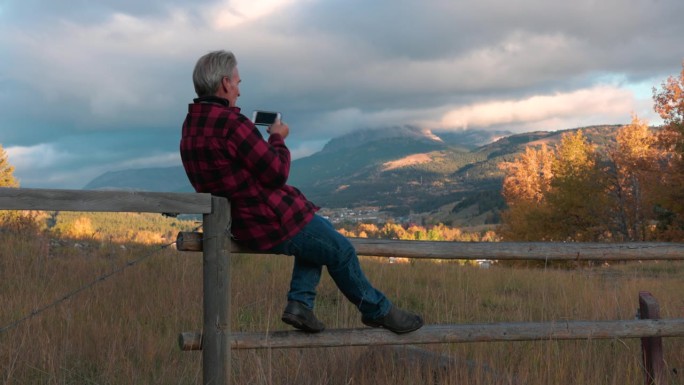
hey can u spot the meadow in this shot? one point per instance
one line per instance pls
(124, 330)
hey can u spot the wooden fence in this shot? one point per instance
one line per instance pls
(216, 340)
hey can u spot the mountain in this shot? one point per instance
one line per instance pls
(449, 177)
(161, 179)
(453, 178)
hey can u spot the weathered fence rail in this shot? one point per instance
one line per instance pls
(455, 333)
(502, 251)
(216, 340)
(104, 201)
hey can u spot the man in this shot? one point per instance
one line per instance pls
(224, 154)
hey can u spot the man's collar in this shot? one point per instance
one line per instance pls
(213, 100)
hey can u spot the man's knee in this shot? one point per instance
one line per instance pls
(345, 255)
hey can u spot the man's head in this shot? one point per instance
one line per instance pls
(216, 74)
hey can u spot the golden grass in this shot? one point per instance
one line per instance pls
(124, 330)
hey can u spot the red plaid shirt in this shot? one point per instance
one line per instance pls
(224, 154)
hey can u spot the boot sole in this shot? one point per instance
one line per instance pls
(374, 324)
(299, 323)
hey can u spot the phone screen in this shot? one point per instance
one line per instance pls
(263, 118)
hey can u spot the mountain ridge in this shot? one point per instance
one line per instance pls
(409, 172)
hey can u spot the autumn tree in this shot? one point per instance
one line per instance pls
(577, 199)
(17, 219)
(669, 103)
(529, 177)
(6, 171)
(367, 230)
(555, 195)
(392, 231)
(634, 168)
(527, 181)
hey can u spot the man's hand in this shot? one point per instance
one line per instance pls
(279, 128)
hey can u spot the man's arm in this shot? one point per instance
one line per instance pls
(269, 162)
(279, 128)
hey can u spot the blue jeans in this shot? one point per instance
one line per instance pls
(318, 244)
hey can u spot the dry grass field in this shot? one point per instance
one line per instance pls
(124, 330)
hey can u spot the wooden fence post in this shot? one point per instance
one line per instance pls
(651, 347)
(216, 276)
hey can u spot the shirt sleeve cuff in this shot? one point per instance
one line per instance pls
(276, 139)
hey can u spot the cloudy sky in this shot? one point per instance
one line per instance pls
(92, 86)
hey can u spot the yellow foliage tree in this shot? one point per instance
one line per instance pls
(579, 206)
(669, 103)
(527, 181)
(555, 195)
(634, 171)
(393, 231)
(369, 229)
(7, 179)
(6, 171)
(529, 177)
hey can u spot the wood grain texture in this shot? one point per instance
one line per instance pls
(651, 347)
(539, 251)
(437, 334)
(216, 361)
(104, 201)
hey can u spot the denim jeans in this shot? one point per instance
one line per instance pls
(318, 244)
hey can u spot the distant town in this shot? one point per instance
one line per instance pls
(355, 215)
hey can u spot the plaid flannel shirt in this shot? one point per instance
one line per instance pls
(224, 154)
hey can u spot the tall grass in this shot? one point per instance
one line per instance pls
(124, 330)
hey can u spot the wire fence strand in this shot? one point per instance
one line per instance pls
(69, 295)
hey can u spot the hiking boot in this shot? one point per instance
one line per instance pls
(396, 320)
(302, 318)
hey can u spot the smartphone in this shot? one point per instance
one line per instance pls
(265, 118)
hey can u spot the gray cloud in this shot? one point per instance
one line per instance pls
(100, 86)
(33, 12)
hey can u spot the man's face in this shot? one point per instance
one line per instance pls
(233, 87)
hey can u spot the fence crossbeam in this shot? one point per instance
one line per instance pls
(451, 333)
(104, 201)
(502, 251)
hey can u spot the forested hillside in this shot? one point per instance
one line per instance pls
(438, 177)
(435, 180)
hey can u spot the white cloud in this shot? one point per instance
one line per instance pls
(38, 165)
(37, 156)
(304, 149)
(342, 121)
(604, 102)
(48, 166)
(228, 14)
(521, 59)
